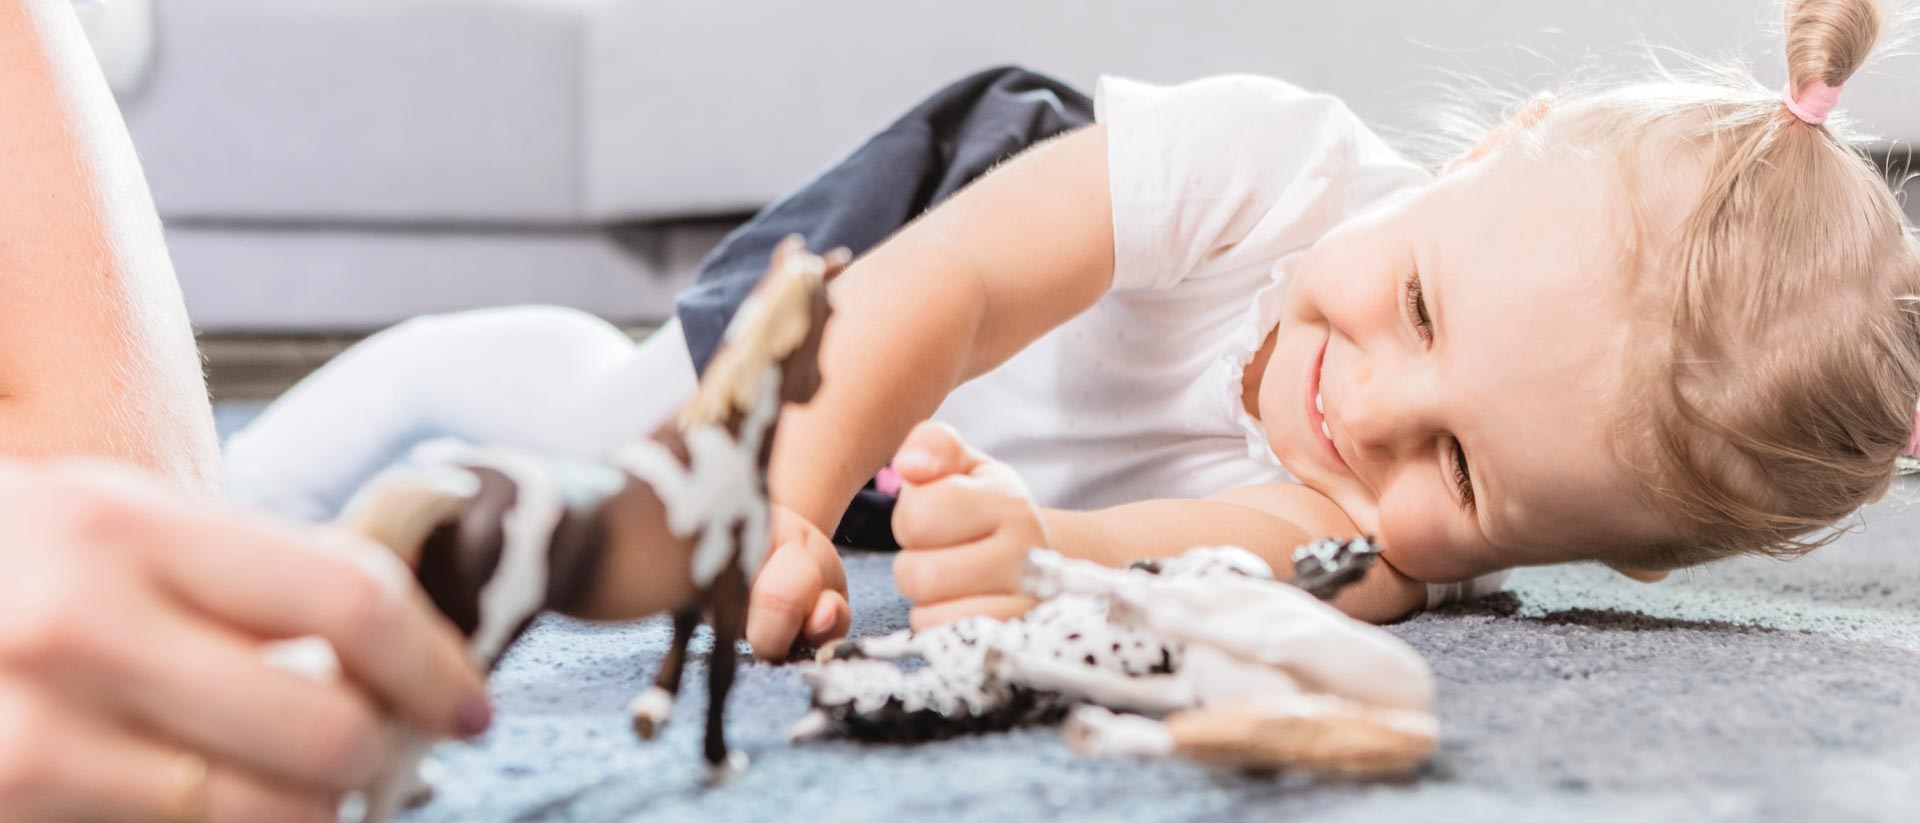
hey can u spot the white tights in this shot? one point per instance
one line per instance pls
(551, 379)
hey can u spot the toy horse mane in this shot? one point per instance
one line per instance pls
(772, 322)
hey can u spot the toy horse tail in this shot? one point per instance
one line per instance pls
(401, 507)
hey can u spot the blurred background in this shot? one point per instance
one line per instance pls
(328, 167)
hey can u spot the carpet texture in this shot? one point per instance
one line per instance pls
(1752, 690)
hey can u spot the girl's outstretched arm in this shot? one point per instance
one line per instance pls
(954, 294)
(96, 355)
(1270, 520)
(949, 297)
(965, 524)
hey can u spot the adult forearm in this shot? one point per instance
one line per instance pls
(96, 355)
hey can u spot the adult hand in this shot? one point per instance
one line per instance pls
(132, 682)
(965, 523)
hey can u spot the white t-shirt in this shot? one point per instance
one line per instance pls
(1218, 187)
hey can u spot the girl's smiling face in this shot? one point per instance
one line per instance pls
(1444, 370)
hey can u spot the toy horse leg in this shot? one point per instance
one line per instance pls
(1152, 693)
(1046, 575)
(652, 708)
(729, 620)
(882, 647)
(1097, 732)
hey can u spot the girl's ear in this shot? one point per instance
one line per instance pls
(1529, 116)
(1642, 575)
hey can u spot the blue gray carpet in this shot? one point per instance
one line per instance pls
(1749, 691)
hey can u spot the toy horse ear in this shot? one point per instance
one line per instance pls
(400, 508)
(837, 262)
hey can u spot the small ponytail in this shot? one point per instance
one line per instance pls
(1827, 41)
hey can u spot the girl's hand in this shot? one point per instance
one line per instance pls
(965, 523)
(801, 591)
(132, 624)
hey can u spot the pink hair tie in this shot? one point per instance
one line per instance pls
(1813, 102)
(887, 482)
(1913, 440)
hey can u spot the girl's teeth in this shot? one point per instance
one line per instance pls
(1317, 405)
(1328, 433)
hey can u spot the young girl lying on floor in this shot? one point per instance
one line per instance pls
(1652, 326)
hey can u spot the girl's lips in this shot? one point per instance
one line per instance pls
(1316, 420)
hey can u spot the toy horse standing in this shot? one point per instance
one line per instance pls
(676, 523)
(718, 448)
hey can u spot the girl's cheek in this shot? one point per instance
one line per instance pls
(1415, 536)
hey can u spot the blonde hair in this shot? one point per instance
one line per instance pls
(1782, 366)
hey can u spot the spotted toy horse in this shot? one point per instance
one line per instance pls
(676, 523)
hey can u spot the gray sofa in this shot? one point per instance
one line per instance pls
(342, 164)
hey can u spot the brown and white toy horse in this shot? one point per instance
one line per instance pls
(675, 523)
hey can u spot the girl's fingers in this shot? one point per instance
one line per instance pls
(800, 533)
(830, 619)
(935, 575)
(215, 692)
(952, 511)
(783, 598)
(996, 606)
(278, 583)
(931, 451)
(76, 767)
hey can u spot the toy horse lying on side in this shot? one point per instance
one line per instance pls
(1245, 670)
(677, 523)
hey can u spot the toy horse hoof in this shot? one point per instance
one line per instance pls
(1040, 575)
(1096, 732)
(728, 769)
(811, 726)
(650, 711)
(828, 651)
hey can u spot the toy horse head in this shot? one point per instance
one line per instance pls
(780, 324)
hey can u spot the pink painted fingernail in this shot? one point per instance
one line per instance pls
(914, 459)
(474, 716)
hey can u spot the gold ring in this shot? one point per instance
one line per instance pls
(188, 803)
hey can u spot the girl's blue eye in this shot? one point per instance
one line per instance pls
(1417, 308)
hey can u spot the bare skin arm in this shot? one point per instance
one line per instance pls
(950, 297)
(965, 522)
(1270, 520)
(96, 355)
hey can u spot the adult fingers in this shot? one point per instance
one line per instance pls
(60, 764)
(783, 598)
(276, 582)
(996, 606)
(951, 511)
(935, 575)
(931, 451)
(216, 692)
